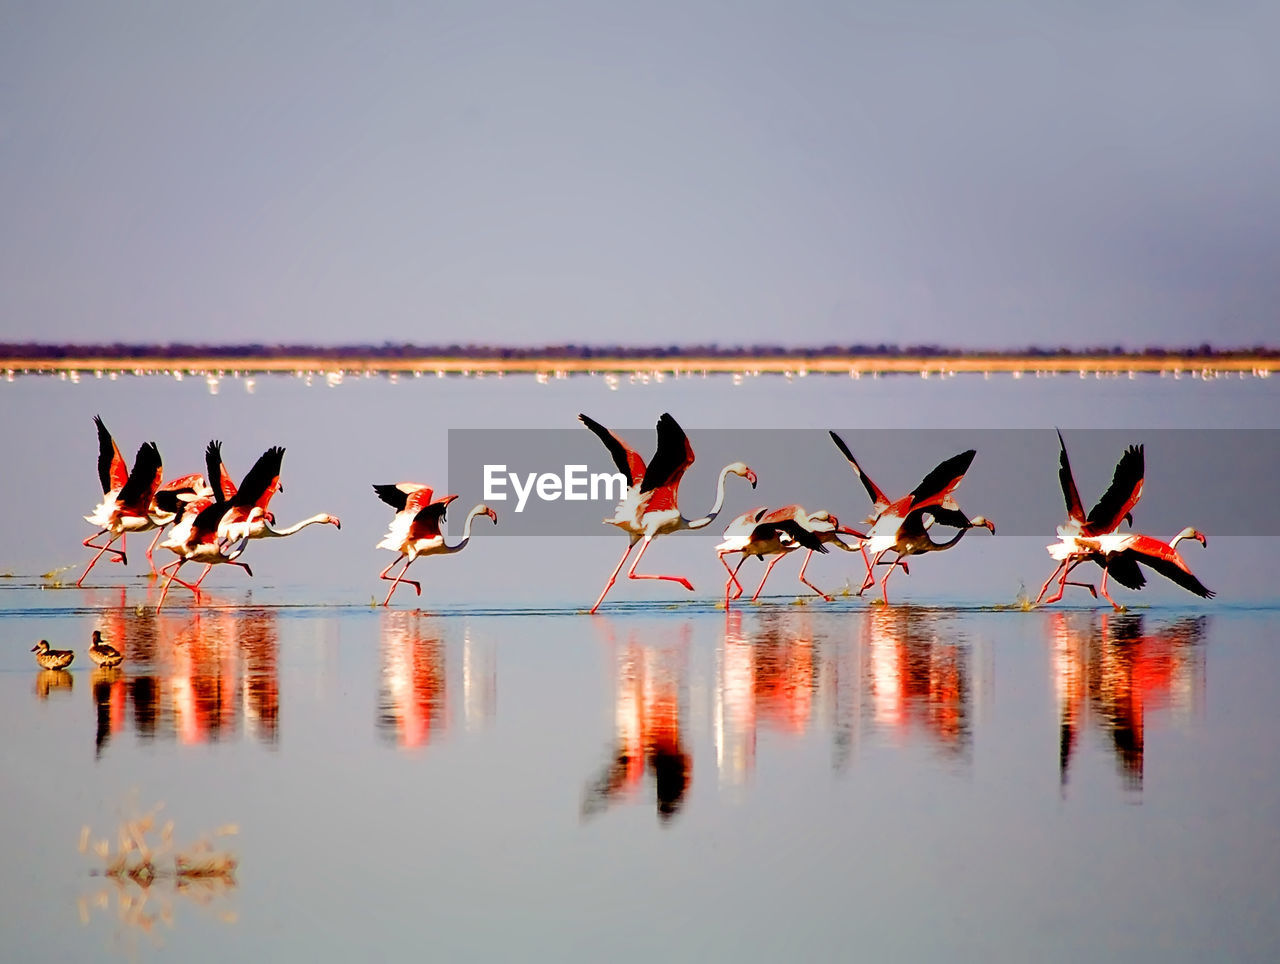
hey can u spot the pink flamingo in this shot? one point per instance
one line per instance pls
(902, 526)
(415, 528)
(650, 507)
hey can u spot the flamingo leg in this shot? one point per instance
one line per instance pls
(772, 562)
(804, 565)
(884, 583)
(1103, 588)
(617, 569)
(151, 548)
(175, 566)
(733, 576)
(399, 577)
(871, 578)
(89, 543)
(632, 574)
(1045, 588)
(736, 595)
(1065, 568)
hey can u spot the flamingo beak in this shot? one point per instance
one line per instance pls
(1203, 539)
(992, 526)
(751, 477)
(337, 523)
(1128, 517)
(492, 515)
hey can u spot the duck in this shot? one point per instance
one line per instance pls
(52, 658)
(104, 654)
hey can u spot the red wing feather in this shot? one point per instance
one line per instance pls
(426, 523)
(1075, 509)
(1165, 560)
(259, 484)
(144, 480)
(673, 457)
(1122, 494)
(938, 485)
(879, 500)
(627, 459)
(113, 472)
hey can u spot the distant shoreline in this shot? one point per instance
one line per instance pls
(674, 364)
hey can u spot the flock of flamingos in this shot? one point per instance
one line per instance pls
(211, 520)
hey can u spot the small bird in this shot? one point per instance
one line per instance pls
(104, 654)
(52, 658)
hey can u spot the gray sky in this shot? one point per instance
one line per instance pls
(971, 173)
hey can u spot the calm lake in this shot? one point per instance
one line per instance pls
(484, 771)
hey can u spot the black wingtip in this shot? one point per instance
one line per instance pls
(844, 449)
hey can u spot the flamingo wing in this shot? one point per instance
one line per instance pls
(1075, 510)
(260, 482)
(786, 512)
(404, 496)
(673, 456)
(1165, 560)
(628, 460)
(879, 500)
(113, 473)
(952, 518)
(219, 478)
(172, 500)
(767, 532)
(1122, 494)
(938, 485)
(1124, 569)
(144, 480)
(426, 522)
(209, 516)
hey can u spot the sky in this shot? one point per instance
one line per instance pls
(969, 174)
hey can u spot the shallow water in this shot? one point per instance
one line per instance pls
(501, 776)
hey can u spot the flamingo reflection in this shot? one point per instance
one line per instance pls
(918, 678)
(767, 678)
(1109, 670)
(198, 677)
(650, 686)
(412, 696)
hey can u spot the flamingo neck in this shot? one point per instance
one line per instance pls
(466, 532)
(272, 533)
(710, 517)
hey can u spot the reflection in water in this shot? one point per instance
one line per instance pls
(650, 685)
(479, 683)
(109, 697)
(412, 694)
(918, 677)
(900, 670)
(1109, 670)
(190, 676)
(52, 680)
(147, 872)
(768, 678)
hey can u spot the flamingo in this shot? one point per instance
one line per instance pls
(1077, 536)
(126, 504)
(650, 507)
(824, 526)
(216, 530)
(235, 524)
(166, 502)
(762, 533)
(415, 529)
(1119, 554)
(902, 525)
